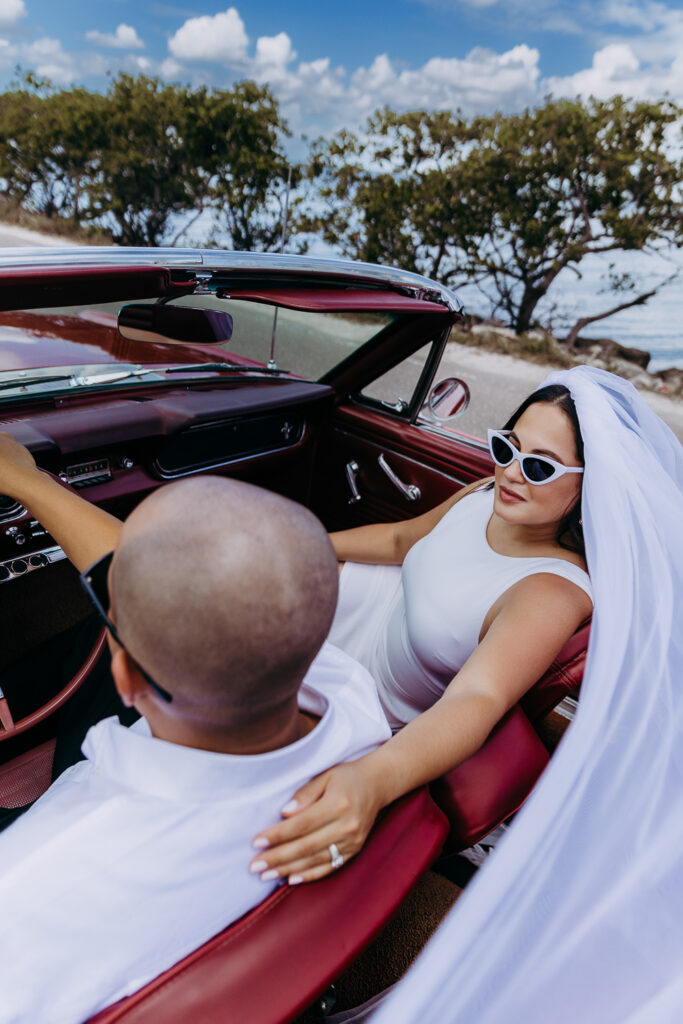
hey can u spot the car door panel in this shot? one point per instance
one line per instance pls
(420, 456)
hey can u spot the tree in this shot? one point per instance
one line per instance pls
(386, 196)
(21, 151)
(511, 201)
(553, 185)
(250, 169)
(173, 152)
(72, 139)
(149, 169)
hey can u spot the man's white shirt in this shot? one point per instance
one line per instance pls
(136, 856)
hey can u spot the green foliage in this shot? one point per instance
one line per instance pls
(509, 201)
(250, 168)
(146, 159)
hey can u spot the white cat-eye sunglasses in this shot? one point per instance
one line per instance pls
(536, 469)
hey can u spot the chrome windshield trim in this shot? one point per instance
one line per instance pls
(220, 259)
(97, 255)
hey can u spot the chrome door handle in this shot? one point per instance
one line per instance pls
(352, 471)
(410, 491)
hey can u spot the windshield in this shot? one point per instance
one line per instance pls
(77, 339)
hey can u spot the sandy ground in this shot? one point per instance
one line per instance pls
(498, 383)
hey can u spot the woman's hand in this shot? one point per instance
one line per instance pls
(339, 806)
(15, 461)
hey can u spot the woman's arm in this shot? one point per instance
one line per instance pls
(84, 531)
(340, 805)
(389, 543)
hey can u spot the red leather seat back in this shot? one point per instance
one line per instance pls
(270, 965)
(489, 786)
(492, 784)
(562, 678)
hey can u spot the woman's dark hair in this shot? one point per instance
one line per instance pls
(569, 531)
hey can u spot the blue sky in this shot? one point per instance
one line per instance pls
(331, 65)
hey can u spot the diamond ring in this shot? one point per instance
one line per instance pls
(335, 856)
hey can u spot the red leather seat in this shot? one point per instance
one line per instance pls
(491, 785)
(267, 967)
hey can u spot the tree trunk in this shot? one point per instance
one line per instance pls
(530, 299)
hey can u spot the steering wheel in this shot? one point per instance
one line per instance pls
(10, 728)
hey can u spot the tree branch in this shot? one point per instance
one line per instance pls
(639, 300)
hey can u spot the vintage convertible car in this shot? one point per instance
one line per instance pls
(123, 369)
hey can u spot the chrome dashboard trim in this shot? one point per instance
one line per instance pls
(52, 554)
(16, 513)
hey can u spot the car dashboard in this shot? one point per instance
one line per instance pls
(117, 450)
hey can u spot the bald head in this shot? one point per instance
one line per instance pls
(224, 593)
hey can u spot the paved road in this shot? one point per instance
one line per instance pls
(499, 383)
(11, 236)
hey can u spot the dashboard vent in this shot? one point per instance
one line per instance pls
(9, 508)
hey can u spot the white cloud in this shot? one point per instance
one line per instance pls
(642, 59)
(221, 37)
(629, 14)
(612, 71)
(47, 58)
(638, 48)
(274, 51)
(171, 70)
(11, 11)
(482, 81)
(125, 38)
(617, 70)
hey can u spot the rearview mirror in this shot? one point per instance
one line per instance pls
(448, 398)
(141, 321)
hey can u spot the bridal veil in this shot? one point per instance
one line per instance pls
(578, 916)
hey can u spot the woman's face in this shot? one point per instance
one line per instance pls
(543, 429)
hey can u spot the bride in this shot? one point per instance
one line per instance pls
(456, 614)
(579, 914)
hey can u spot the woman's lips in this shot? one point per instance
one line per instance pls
(509, 497)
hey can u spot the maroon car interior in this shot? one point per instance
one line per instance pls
(296, 437)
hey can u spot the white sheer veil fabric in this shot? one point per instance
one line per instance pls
(578, 916)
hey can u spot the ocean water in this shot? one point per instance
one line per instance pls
(656, 326)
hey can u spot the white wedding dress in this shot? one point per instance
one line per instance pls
(414, 626)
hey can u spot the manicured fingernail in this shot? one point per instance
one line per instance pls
(258, 866)
(270, 876)
(295, 879)
(260, 843)
(291, 806)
